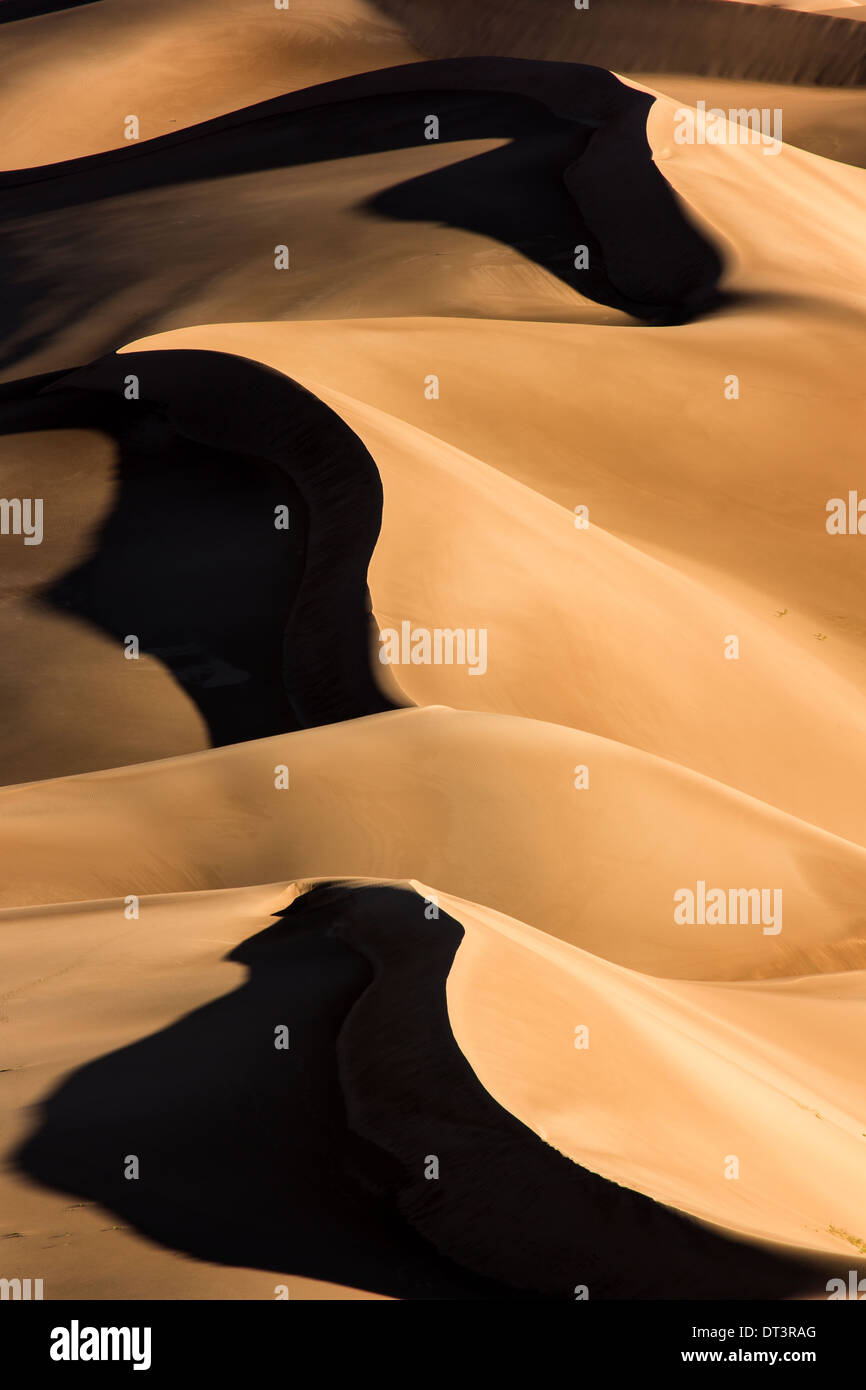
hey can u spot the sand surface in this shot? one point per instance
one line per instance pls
(255, 824)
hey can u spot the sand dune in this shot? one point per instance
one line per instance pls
(408, 1088)
(666, 571)
(436, 874)
(84, 1249)
(267, 630)
(747, 1070)
(100, 63)
(528, 159)
(608, 610)
(826, 122)
(719, 38)
(103, 62)
(459, 800)
(764, 1108)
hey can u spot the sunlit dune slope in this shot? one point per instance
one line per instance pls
(771, 1073)
(486, 807)
(767, 1076)
(70, 80)
(607, 628)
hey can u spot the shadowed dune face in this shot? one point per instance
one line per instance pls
(719, 38)
(186, 228)
(245, 1151)
(233, 548)
(330, 1138)
(31, 9)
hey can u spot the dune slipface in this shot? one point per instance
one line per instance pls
(431, 821)
(301, 1195)
(230, 404)
(409, 1089)
(377, 1098)
(576, 172)
(269, 629)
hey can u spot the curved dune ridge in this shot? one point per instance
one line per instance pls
(505, 1146)
(486, 806)
(401, 975)
(109, 58)
(268, 630)
(713, 37)
(575, 171)
(228, 404)
(102, 60)
(557, 1215)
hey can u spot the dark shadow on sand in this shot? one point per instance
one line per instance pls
(266, 629)
(11, 10)
(313, 1160)
(577, 171)
(245, 1155)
